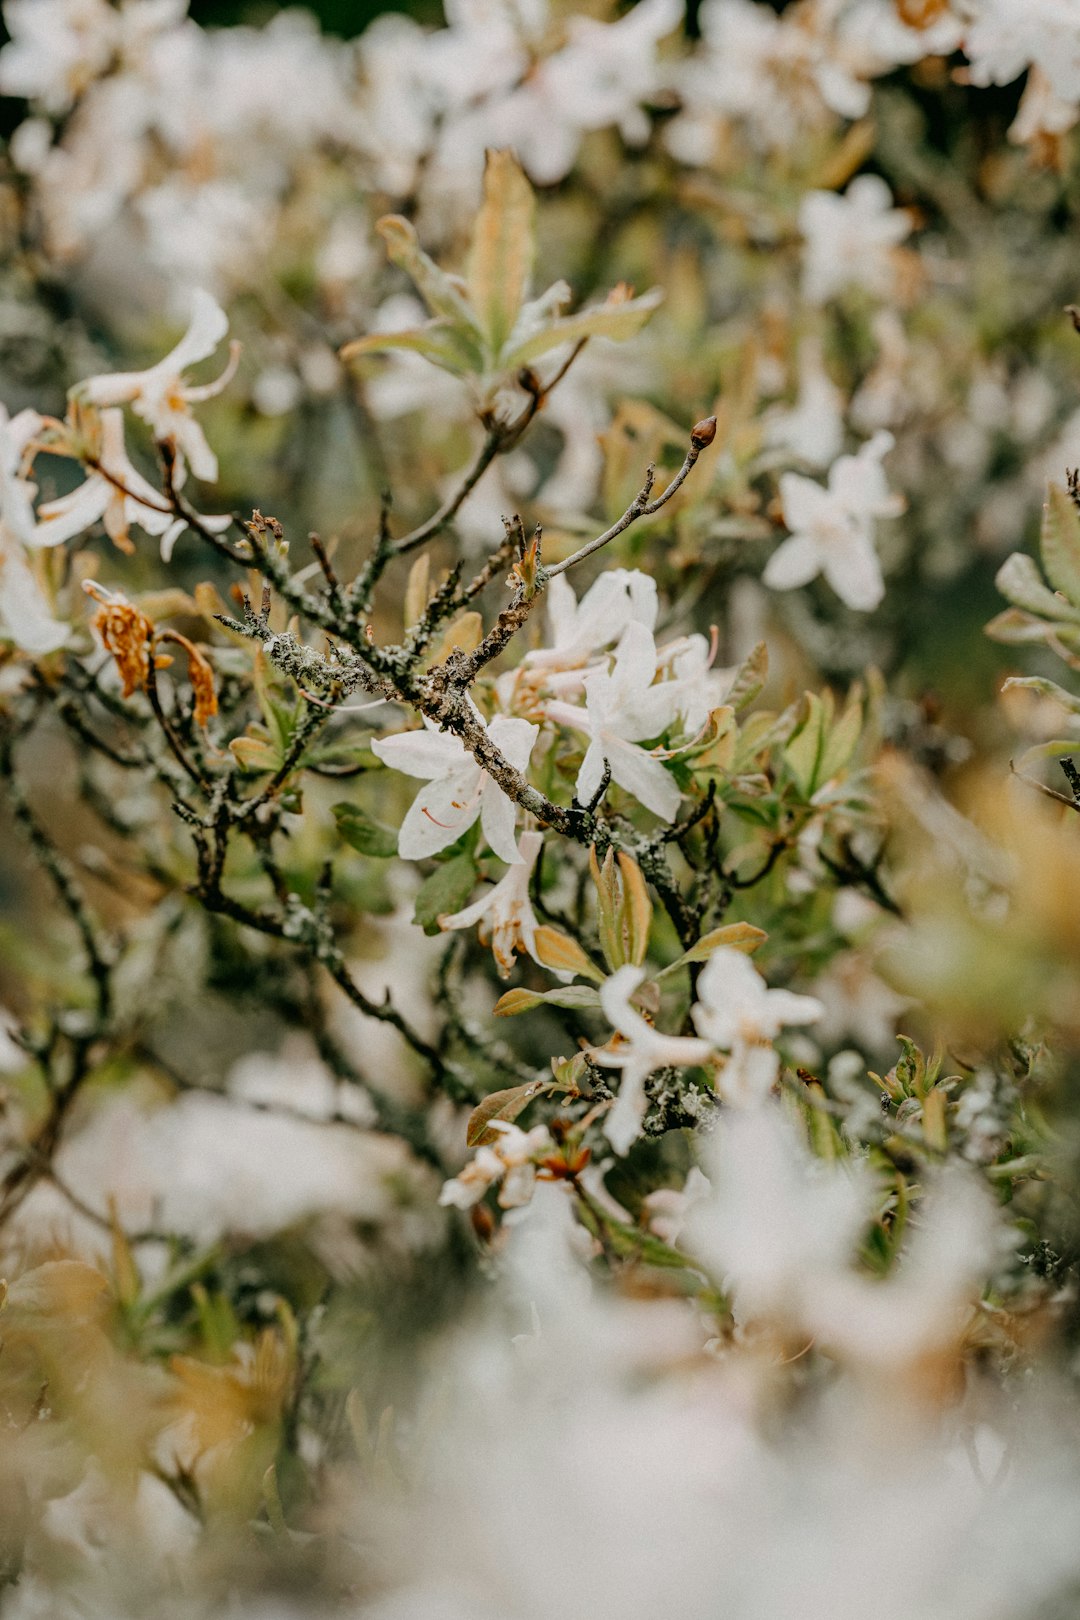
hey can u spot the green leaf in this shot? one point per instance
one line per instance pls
(446, 890)
(500, 1105)
(618, 321)
(749, 678)
(443, 294)
(1019, 581)
(519, 1001)
(843, 738)
(1014, 625)
(803, 753)
(438, 341)
(503, 248)
(356, 827)
(1051, 689)
(1059, 543)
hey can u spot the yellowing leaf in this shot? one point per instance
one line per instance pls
(1019, 582)
(500, 1105)
(1059, 543)
(418, 589)
(749, 678)
(563, 954)
(843, 737)
(618, 321)
(740, 936)
(464, 635)
(443, 294)
(503, 247)
(572, 995)
(438, 341)
(254, 754)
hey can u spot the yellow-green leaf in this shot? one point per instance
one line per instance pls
(749, 678)
(500, 1105)
(843, 737)
(502, 249)
(438, 341)
(1019, 582)
(804, 752)
(618, 321)
(443, 294)
(740, 936)
(1059, 543)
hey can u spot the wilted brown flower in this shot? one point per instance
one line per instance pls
(126, 632)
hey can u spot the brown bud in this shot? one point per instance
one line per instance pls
(703, 433)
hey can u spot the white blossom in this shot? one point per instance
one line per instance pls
(812, 429)
(779, 1221)
(850, 240)
(579, 630)
(833, 528)
(623, 708)
(25, 615)
(736, 1012)
(163, 398)
(509, 1160)
(1002, 39)
(505, 912)
(640, 1051)
(458, 790)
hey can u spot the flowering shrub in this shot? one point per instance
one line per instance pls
(541, 978)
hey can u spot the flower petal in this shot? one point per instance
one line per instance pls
(498, 815)
(438, 816)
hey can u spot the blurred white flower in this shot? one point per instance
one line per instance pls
(25, 615)
(162, 397)
(641, 1050)
(736, 1012)
(56, 49)
(849, 240)
(458, 790)
(812, 429)
(1002, 39)
(779, 1221)
(907, 1326)
(623, 709)
(833, 528)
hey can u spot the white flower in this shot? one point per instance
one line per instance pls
(780, 1221)
(25, 615)
(641, 1051)
(668, 1210)
(458, 790)
(813, 428)
(920, 1311)
(693, 688)
(162, 397)
(607, 70)
(509, 1160)
(580, 630)
(833, 528)
(622, 709)
(736, 1012)
(115, 493)
(57, 48)
(1005, 38)
(505, 911)
(850, 239)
